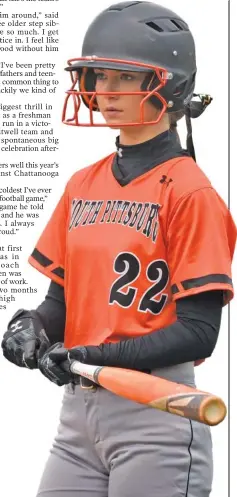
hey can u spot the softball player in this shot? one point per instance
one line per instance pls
(138, 251)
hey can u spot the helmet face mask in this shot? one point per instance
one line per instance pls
(85, 78)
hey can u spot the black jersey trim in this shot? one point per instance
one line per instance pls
(41, 258)
(202, 281)
(174, 289)
(59, 271)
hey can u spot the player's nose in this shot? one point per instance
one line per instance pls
(112, 85)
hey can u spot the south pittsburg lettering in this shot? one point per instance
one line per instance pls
(139, 215)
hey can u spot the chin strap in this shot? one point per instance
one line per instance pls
(193, 110)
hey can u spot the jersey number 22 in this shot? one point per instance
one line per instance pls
(129, 266)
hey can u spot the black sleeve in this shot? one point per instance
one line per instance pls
(192, 337)
(52, 312)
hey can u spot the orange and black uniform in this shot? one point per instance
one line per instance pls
(127, 250)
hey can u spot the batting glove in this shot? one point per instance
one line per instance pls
(25, 339)
(55, 365)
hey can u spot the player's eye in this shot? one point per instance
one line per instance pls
(127, 77)
(100, 76)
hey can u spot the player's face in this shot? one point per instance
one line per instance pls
(118, 109)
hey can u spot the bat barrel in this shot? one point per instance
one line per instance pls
(198, 406)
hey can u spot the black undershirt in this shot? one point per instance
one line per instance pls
(193, 336)
(132, 161)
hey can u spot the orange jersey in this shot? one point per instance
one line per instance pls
(125, 254)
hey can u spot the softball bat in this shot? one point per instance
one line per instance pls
(156, 392)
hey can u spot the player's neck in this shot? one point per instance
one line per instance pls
(139, 134)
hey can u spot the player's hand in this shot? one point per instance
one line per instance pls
(56, 362)
(25, 339)
(55, 365)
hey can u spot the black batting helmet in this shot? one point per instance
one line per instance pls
(137, 36)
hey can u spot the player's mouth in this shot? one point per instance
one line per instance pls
(112, 112)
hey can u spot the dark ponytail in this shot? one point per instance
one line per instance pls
(173, 118)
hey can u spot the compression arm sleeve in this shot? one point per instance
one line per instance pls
(192, 337)
(52, 312)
